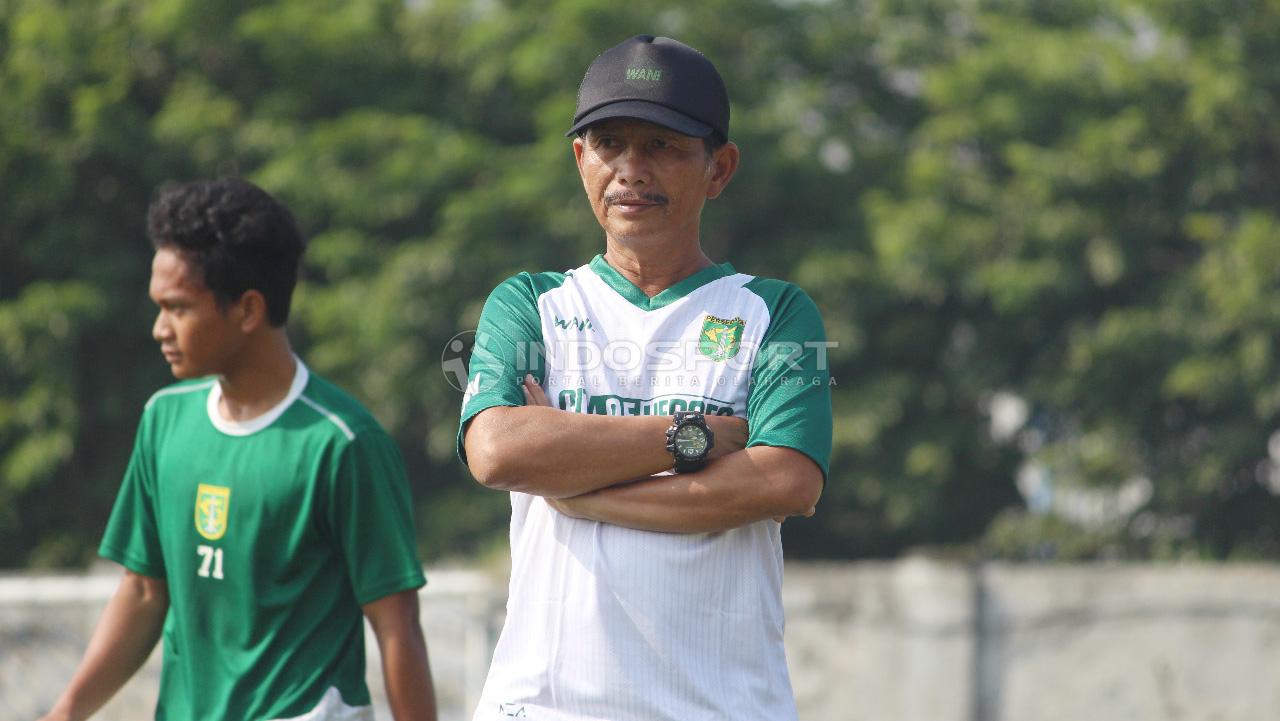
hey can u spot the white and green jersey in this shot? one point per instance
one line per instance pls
(605, 622)
(270, 535)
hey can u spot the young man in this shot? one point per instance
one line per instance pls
(264, 512)
(686, 411)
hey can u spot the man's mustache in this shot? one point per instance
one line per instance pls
(624, 197)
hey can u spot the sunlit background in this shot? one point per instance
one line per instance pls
(1043, 235)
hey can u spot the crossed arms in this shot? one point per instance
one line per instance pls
(604, 468)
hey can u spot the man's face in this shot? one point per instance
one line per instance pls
(645, 181)
(196, 337)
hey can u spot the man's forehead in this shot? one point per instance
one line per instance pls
(634, 126)
(172, 269)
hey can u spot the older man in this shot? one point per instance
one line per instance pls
(654, 416)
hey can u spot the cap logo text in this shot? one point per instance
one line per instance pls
(649, 74)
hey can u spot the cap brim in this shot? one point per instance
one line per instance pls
(647, 111)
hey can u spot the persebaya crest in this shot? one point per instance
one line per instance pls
(720, 338)
(212, 503)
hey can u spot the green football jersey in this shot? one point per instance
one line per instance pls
(270, 534)
(608, 622)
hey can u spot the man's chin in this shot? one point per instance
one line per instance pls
(183, 372)
(634, 235)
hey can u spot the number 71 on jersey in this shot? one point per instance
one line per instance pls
(210, 562)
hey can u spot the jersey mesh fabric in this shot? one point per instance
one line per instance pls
(606, 622)
(269, 539)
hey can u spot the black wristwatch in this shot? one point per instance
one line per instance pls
(689, 440)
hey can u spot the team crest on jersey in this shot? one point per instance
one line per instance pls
(212, 503)
(720, 339)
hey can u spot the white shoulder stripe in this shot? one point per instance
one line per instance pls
(331, 416)
(183, 389)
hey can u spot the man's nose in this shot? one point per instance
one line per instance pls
(633, 165)
(161, 330)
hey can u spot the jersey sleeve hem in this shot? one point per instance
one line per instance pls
(795, 447)
(478, 405)
(408, 582)
(133, 563)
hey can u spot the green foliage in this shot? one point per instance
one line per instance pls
(1071, 203)
(1089, 196)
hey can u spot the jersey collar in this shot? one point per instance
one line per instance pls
(636, 297)
(253, 425)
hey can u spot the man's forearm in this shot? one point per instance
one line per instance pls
(544, 451)
(741, 488)
(407, 676)
(406, 671)
(549, 452)
(129, 628)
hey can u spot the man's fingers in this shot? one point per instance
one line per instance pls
(560, 506)
(539, 395)
(533, 393)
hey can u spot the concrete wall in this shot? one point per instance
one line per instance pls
(919, 641)
(1129, 643)
(912, 640)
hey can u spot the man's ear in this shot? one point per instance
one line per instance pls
(578, 145)
(724, 163)
(252, 309)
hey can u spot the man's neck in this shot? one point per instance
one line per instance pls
(260, 378)
(655, 268)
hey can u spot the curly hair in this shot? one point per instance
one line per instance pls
(236, 235)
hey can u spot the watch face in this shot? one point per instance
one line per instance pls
(690, 441)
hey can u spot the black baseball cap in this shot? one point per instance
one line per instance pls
(660, 80)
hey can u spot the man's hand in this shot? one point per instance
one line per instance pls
(533, 393)
(572, 507)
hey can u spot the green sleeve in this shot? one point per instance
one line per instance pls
(790, 400)
(132, 538)
(369, 514)
(508, 345)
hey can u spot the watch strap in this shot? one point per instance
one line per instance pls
(683, 466)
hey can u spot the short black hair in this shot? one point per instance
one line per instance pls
(237, 236)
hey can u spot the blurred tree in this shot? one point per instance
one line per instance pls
(1064, 208)
(76, 164)
(1087, 201)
